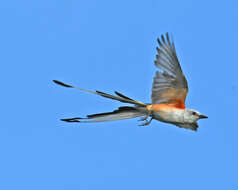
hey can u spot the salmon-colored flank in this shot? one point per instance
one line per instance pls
(159, 107)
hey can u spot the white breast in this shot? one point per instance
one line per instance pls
(170, 116)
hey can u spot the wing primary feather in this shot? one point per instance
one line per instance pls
(159, 42)
(163, 40)
(168, 40)
(164, 56)
(161, 53)
(167, 65)
(165, 46)
(170, 52)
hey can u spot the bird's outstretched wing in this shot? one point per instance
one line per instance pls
(169, 85)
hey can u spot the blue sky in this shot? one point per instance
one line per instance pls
(110, 45)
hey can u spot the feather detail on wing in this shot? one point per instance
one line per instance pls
(169, 85)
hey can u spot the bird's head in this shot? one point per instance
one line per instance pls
(191, 116)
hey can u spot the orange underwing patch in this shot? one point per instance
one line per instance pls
(175, 97)
(178, 104)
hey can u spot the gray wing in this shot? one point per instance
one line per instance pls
(169, 85)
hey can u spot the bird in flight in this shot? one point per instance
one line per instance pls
(169, 91)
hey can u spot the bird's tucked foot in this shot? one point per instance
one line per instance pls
(146, 122)
(143, 118)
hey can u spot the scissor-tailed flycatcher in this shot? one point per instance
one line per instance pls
(168, 95)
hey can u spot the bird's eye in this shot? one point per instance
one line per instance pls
(194, 113)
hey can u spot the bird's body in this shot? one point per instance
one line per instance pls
(168, 95)
(167, 113)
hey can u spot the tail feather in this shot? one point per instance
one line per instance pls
(120, 97)
(74, 119)
(124, 112)
(123, 96)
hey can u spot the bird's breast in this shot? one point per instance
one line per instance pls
(167, 113)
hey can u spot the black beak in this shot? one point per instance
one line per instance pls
(203, 117)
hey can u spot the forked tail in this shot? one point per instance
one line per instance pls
(120, 97)
(124, 112)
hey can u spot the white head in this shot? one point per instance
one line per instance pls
(191, 116)
(190, 119)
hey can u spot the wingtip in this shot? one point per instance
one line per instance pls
(163, 39)
(159, 42)
(168, 38)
